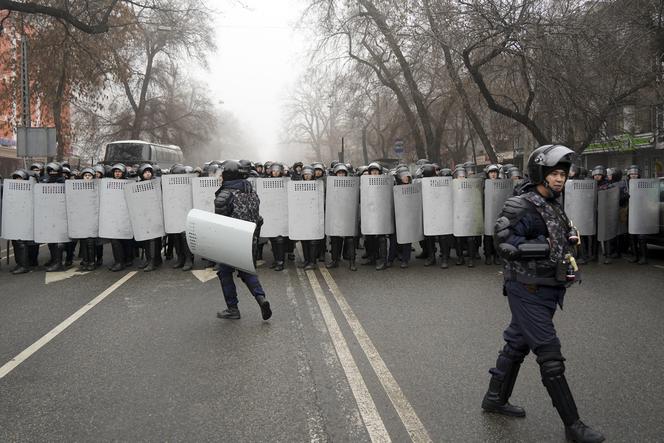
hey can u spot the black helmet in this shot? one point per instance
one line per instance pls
(54, 168)
(446, 172)
(459, 171)
(188, 169)
(360, 170)
(617, 174)
(339, 167)
(66, 172)
(257, 164)
(276, 167)
(470, 167)
(422, 161)
(374, 165)
(319, 166)
(178, 169)
(145, 167)
(598, 170)
(547, 158)
(245, 167)
(120, 167)
(20, 174)
(231, 170)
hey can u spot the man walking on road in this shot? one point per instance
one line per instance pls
(236, 198)
(535, 238)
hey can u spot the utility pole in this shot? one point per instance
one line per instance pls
(25, 83)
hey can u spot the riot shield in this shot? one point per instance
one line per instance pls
(376, 204)
(17, 210)
(468, 216)
(221, 239)
(202, 190)
(408, 212)
(496, 192)
(145, 212)
(607, 213)
(273, 194)
(643, 206)
(306, 210)
(437, 205)
(82, 208)
(50, 213)
(177, 201)
(252, 180)
(341, 206)
(580, 202)
(113, 213)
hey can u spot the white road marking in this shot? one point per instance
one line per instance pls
(204, 275)
(372, 420)
(20, 358)
(52, 277)
(315, 420)
(401, 404)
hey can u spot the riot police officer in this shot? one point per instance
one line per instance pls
(536, 239)
(341, 244)
(490, 254)
(152, 247)
(637, 242)
(236, 198)
(21, 247)
(279, 243)
(185, 259)
(54, 175)
(123, 250)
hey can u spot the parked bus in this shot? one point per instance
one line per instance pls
(137, 152)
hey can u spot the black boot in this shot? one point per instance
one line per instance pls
(472, 252)
(554, 380)
(151, 251)
(99, 253)
(90, 246)
(21, 257)
(430, 244)
(177, 241)
(382, 253)
(279, 250)
(56, 250)
(118, 255)
(335, 253)
(230, 313)
(70, 248)
(606, 246)
(85, 256)
(259, 255)
(349, 247)
(312, 246)
(266, 312)
(496, 398)
(643, 249)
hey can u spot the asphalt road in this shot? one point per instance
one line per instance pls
(400, 354)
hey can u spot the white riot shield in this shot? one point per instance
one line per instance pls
(580, 203)
(306, 210)
(468, 216)
(82, 208)
(496, 192)
(376, 204)
(643, 206)
(221, 239)
(113, 213)
(341, 206)
(607, 214)
(252, 180)
(177, 201)
(273, 194)
(50, 213)
(17, 210)
(408, 212)
(145, 211)
(202, 191)
(437, 205)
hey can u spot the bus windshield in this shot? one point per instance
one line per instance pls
(127, 152)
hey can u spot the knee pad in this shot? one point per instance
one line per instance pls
(514, 354)
(551, 361)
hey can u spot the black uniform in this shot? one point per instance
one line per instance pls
(536, 239)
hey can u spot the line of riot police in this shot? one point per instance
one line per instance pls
(335, 209)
